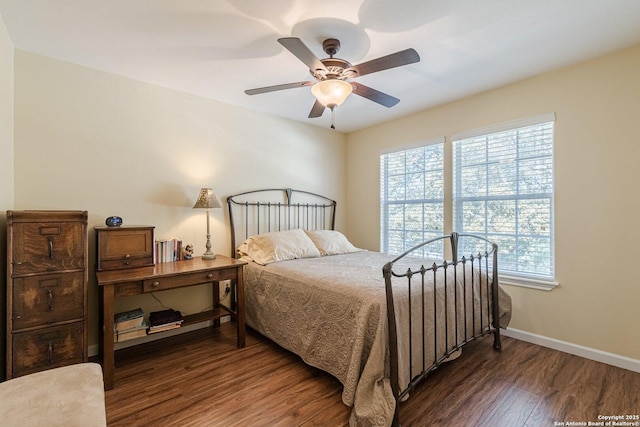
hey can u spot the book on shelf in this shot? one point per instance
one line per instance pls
(128, 319)
(169, 327)
(164, 320)
(131, 333)
(168, 250)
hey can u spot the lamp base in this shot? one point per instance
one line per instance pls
(208, 253)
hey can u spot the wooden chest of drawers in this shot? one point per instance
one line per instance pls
(124, 247)
(47, 322)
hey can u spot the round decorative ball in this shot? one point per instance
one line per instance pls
(113, 221)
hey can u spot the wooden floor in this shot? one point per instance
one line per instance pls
(202, 379)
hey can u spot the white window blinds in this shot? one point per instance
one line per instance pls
(412, 197)
(503, 189)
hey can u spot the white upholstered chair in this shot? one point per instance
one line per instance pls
(68, 396)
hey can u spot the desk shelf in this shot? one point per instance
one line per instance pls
(214, 314)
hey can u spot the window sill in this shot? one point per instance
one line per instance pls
(528, 282)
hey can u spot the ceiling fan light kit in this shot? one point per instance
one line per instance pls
(331, 93)
(332, 87)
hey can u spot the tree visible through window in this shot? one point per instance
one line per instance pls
(503, 189)
(412, 198)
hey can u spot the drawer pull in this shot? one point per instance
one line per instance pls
(50, 240)
(50, 352)
(210, 276)
(156, 284)
(50, 299)
(127, 256)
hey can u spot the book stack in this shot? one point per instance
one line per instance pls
(164, 320)
(168, 250)
(128, 325)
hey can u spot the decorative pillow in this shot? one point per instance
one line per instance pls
(279, 246)
(331, 242)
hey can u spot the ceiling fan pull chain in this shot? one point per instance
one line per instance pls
(333, 118)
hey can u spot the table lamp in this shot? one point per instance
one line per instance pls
(207, 200)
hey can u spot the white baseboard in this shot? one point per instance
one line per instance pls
(94, 349)
(578, 350)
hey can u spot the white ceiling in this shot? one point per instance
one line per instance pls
(219, 48)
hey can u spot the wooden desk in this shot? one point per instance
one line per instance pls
(171, 275)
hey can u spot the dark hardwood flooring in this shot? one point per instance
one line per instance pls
(202, 379)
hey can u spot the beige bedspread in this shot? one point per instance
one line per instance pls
(331, 311)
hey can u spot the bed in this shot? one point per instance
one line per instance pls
(311, 291)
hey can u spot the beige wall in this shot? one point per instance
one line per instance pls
(113, 146)
(6, 119)
(597, 150)
(6, 165)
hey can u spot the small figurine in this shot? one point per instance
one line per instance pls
(188, 252)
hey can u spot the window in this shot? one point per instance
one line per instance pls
(503, 189)
(412, 197)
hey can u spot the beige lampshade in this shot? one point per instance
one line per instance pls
(207, 199)
(332, 92)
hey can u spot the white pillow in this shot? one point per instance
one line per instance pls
(331, 242)
(279, 246)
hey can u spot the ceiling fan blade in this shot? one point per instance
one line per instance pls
(302, 52)
(398, 59)
(374, 95)
(277, 87)
(317, 110)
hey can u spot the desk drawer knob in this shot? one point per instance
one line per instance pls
(156, 284)
(210, 276)
(127, 256)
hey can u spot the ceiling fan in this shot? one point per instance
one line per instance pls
(332, 74)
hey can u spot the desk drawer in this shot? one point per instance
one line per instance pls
(161, 283)
(127, 289)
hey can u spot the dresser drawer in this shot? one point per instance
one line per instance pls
(46, 299)
(47, 348)
(171, 282)
(124, 247)
(47, 246)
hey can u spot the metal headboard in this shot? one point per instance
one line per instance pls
(263, 211)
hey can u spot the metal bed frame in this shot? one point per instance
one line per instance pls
(310, 211)
(313, 211)
(463, 287)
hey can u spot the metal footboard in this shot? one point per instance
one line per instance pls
(459, 295)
